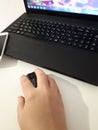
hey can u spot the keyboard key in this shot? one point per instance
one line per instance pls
(56, 32)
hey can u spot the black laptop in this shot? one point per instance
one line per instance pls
(60, 35)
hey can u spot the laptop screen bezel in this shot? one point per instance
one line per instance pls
(57, 13)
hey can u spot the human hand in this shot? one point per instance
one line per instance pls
(41, 108)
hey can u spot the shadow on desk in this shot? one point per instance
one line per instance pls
(7, 62)
(76, 111)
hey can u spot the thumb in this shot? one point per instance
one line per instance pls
(21, 102)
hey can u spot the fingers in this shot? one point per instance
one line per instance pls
(53, 85)
(21, 103)
(43, 82)
(42, 79)
(52, 82)
(27, 86)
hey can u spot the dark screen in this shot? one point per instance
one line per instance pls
(2, 40)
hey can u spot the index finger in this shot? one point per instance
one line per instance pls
(42, 79)
(27, 86)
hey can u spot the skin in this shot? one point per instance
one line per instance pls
(41, 108)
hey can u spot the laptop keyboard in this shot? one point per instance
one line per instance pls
(57, 33)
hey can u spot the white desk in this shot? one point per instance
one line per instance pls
(80, 99)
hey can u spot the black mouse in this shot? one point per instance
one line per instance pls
(32, 77)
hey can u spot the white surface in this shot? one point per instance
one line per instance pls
(80, 99)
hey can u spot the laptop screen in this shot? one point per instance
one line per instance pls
(89, 7)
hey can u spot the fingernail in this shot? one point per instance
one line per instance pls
(23, 78)
(39, 70)
(20, 99)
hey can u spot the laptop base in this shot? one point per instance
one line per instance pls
(76, 63)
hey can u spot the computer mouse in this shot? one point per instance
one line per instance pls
(32, 77)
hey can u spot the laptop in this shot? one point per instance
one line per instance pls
(60, 35)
